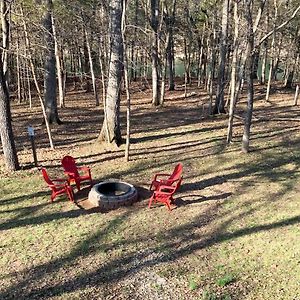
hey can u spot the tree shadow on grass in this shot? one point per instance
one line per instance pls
(83, 249)
(19, 199)
(24, 214)
(23, 211)
(180, 148)
(181, 201)
(37, 220)
(174, 134)
(116, 269)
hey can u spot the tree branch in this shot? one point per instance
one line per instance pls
(280, 26)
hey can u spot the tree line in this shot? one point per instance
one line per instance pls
(103, 46)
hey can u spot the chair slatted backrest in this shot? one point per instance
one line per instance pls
(69, 165)
(177, 172)
(178, 184)
(46, 177)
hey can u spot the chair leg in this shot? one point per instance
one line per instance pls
(53, 195)
(78, 185)
(168, 205)
(70, 193)
(150, 201)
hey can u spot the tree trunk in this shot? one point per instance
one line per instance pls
(289, 79)
(6, 131)
(28, 84)
(264, 63)
(169, 17)
(233, 97)
(271, 69)
(91, 67)
(219, 105)
(255, 63)
(296, 95)
(5, 37)
(134, 56)
(186, 67)
(200, 62)
(249, 73)
(111, 126)
(61, 91)
(18, 73)
(163, 81)
(102, 70)
(126, 81)
(211, 68)
(28, 51)
(50, 71)
(154, 55)
(170, 60)
(290, 74)
(86, 69)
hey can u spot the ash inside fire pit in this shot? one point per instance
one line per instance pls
(112, 194)
(113, 188)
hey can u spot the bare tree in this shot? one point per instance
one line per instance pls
(219, 105)
(6, 131)
(50, 70)
(110, 131)
(5, 36)
(154, 54)
(249, 74)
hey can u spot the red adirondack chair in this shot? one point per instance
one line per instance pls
(164, 194)
(166, 179)
(72, 171)
(58, 186)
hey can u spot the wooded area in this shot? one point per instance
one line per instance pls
(226, 46)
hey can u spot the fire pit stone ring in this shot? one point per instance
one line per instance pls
(112, 194)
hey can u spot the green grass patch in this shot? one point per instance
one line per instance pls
(225, 280)
(193, 283)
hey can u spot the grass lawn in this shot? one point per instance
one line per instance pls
(234, 235)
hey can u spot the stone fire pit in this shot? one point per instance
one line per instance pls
(112, 194)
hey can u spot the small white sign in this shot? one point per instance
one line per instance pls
(30, 131)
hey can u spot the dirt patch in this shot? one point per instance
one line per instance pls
(82, 201)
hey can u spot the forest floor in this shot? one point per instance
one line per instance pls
(234, 234)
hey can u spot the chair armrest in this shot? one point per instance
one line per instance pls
(59, 180)
(169, 188)
(175, 180)
(161, 175)
(83, 168)
(69, 173)
(170, 182)
(59, 185)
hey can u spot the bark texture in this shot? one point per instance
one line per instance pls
(219, 105)
(154, 54)
(50, 71)
(6, 131)
(111, 126)
(5, 37)
(249, 74)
